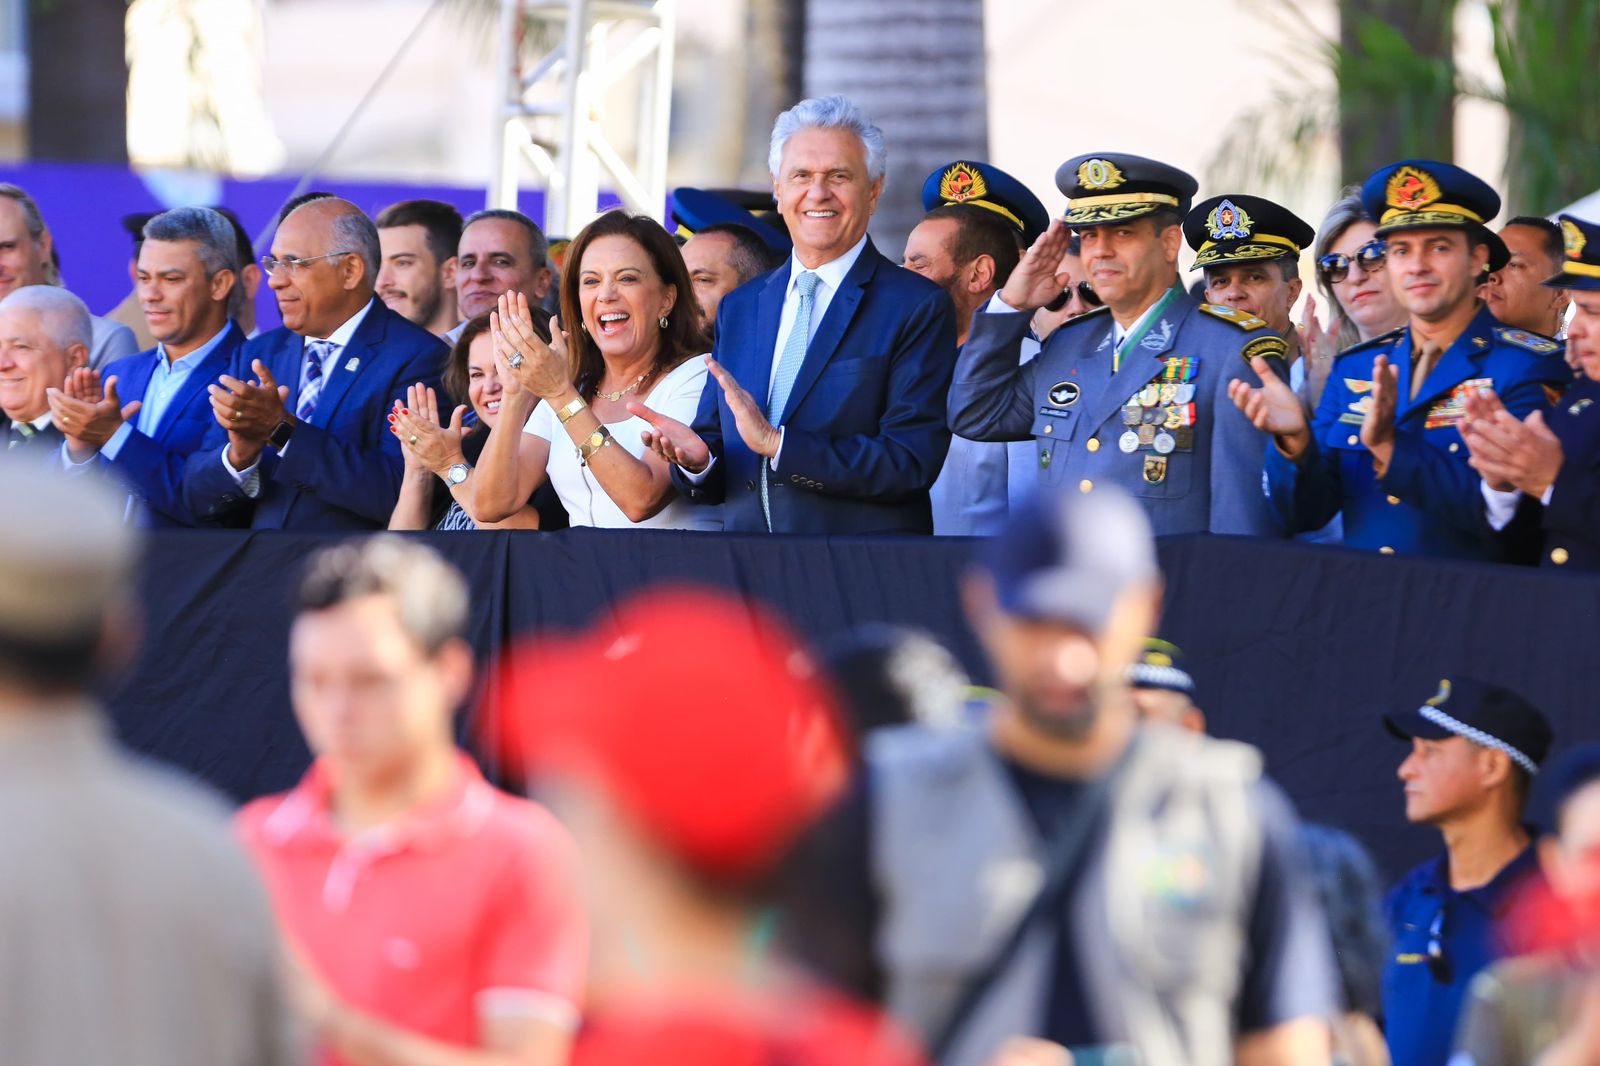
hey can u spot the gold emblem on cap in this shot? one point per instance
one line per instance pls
(1441, 696)
(1572, 237)
(1099, 174)
(1411, 189)
(960, 183)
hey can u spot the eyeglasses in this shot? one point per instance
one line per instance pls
(1335, 266)
(291, 264)
(1438, 961)
(1086, 293)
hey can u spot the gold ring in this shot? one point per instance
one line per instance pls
(236, 416)
(411, 439)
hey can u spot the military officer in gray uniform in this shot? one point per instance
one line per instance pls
(1133, 395)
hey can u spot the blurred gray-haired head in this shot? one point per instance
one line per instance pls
(829, 113)
(429, 594)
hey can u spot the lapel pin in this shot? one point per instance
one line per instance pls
(352, 364)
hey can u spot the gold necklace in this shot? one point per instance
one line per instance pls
(620, 393)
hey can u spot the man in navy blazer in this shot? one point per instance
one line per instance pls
(300, 440)
(839, 429)
(153, 412)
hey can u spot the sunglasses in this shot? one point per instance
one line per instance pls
(1438, 961)
(1335, 266)
(1085, 293)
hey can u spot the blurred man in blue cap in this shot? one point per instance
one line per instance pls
(1058, 870)
(1475, 749)
(979, 221)
(1135, 395)
(1542, 470)
(1385, 447)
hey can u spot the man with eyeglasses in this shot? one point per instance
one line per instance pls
(1475, 749)
(979, 221)
(1135, 395)
(1385, 447)
(300, 440)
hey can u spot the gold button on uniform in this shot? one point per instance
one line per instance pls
(1386, 550)
(1049, 429)
(1353, 438)
(1393, 500)
(1094, 444)
(1559, 556)
(1085, 485)
(1455, 446)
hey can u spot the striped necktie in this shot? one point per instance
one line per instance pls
(788, 368)
(317, 352)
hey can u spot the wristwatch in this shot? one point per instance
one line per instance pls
(457, 473)
(279, 439)
(593, 443)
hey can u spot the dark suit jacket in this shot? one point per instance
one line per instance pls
(864, 432)
(152, 466)
(342, 469)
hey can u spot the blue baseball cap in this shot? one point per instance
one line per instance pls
(1485, 714)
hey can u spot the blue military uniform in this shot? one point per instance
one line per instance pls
(1428, 501)
(1150, 413)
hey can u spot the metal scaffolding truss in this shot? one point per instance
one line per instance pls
(552, 106)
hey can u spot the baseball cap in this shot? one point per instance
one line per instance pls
(1485, 714)
(699, 714)
(1066, 557)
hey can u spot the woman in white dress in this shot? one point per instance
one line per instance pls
(639, 336)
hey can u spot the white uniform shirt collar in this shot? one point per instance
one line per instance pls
(1118, 333)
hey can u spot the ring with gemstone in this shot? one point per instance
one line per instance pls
(515, 362)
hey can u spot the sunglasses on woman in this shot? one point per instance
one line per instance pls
(1085, 293)
(1335, 266)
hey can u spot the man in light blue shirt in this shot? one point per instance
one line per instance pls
(153, 410)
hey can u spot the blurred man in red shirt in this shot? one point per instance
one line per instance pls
(434, 920)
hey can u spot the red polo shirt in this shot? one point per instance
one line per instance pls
(466, 907)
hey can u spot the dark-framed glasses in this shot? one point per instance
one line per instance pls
(289, 263)
(1335, 266)
(1438, 961)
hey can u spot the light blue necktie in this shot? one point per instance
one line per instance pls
(317, 353)
(788, 368)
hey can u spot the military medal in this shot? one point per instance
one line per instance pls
(1164, 443)
(1183, 436)
(1147, 434)
(1174, 417)
(1153, 416)
(1155, 469)
(1150, 395)
(1184, 396)
(1132, 415)
(1169, 394)
(1128, 442)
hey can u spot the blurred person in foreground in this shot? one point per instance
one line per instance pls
(440, 450)
(418, 276)
(432, 920)
(686, 790)
(144, 416)
(1544, 1007)
(1352, 899)
(1033, 876)
(1515, 294)
(134, 929)
(1475, 750)
(574, 422)
(44, 339)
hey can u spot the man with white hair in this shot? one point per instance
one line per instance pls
(44, 336)
(827, 410)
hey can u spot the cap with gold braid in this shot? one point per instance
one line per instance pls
(1426, 194)
(1244, 229)
(1580, 269)
(1105, 187)
(990, 188)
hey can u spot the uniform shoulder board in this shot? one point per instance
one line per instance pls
(1242, 319)
(1382, 340)
(1086, 316)
(1537, 343)
(1273, 347)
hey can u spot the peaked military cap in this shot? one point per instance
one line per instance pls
(1244, 229)
(1581, 267)
(1485, 714)
(1425, 194)
(988, 187)
(696, 209)
(1160, 666)
(1102, 188)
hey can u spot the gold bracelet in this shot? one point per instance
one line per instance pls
(570, 411)
(593, 443)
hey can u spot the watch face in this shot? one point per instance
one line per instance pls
(457, 473)
(280, 436)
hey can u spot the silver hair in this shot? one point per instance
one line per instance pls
(829, 113)
(214, 238)
(538, 243)
(65, 317)
(352, 232)
(1345, 212)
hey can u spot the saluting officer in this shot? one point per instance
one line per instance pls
(1547, 464)
(1385, 446)
(1133, 395)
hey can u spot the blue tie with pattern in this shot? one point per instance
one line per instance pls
(317, 352)
(788, 368)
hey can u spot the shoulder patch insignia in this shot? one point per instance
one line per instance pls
(1526, 340)
(1266, 348)
(1242, 319)
(1359, 386)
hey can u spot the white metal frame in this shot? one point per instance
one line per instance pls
(602, 43)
